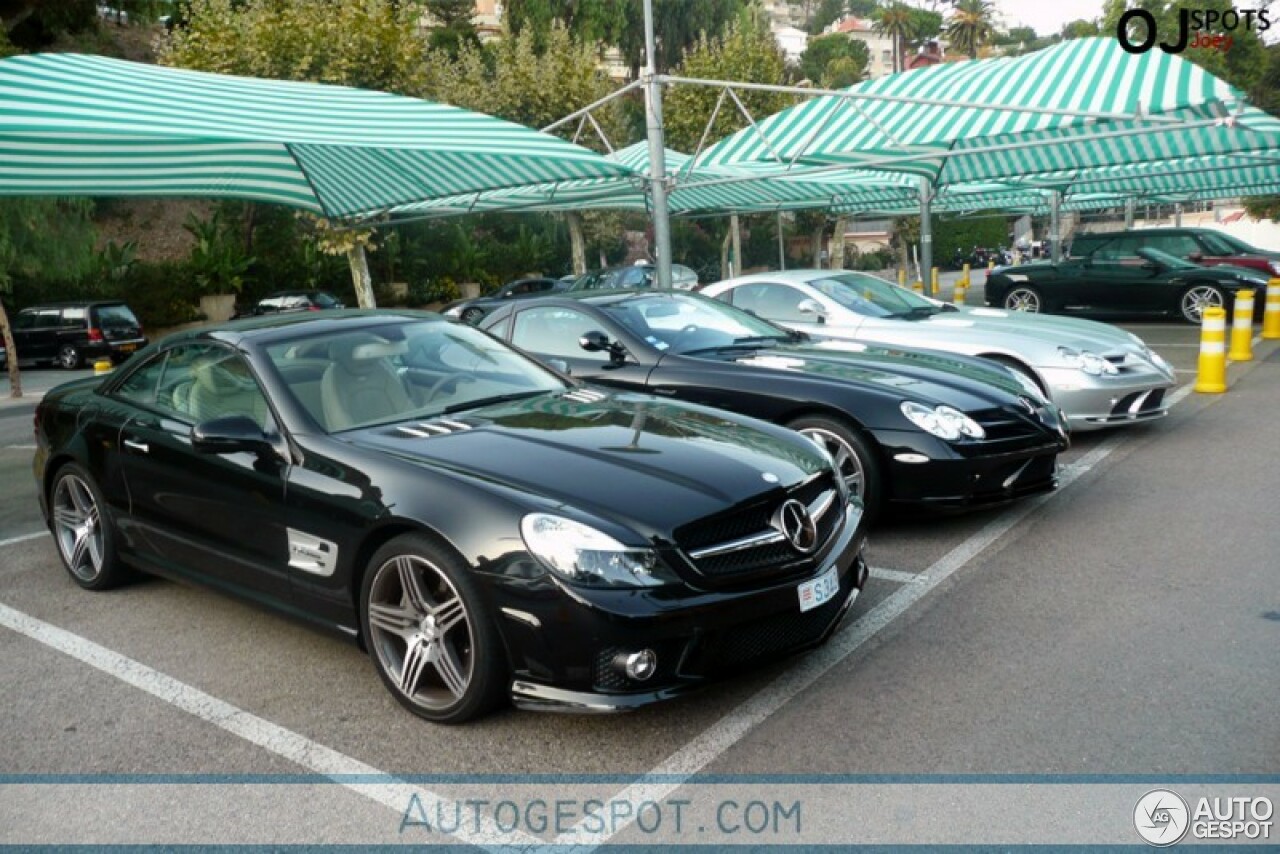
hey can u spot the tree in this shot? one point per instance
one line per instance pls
(898, 22)
(456, 24)
(679, 24)
(834, 60)
(743, 53)
(588, 21)
(828, 12)
(1263, 207)
(926, 26)
(1079, 29)
(972, 25)
(47, 237)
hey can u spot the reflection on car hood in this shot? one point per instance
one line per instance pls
(921, 375)
(645, 462)
(1044, 332)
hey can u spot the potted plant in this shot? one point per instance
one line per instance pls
(218, 265)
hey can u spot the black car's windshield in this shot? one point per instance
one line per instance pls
(684, 323)
(872, 297)
(393, 372)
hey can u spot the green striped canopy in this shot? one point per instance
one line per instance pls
(1082, 104)
(73, 125)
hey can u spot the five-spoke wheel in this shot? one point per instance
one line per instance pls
(429, 634)
(83, 535)
(1197, 298)
(1023, 298)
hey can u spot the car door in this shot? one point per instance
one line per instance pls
(35, 334)
(781, 304)
(552, 332)
(1118, 279)
(219, 515)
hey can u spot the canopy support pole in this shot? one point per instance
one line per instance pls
(782, 248)
(1128, 212)
(1177, 215)
(657, 162)
(926, 228)
(1055, 226)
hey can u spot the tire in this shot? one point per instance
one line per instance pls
(1196, 298)
(853, 453)
(395, 625)
(69, 357)
(472, 316)
(85, 538)
(1024, 298)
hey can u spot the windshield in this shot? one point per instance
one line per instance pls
(323, 300)
(872, 297)
(115, 316)
(687, 323)
(397, 371)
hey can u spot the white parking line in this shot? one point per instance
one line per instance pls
(895, 575)
(299, 749)
(19, 447)
(22, 539)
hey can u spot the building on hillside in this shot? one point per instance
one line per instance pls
(879, 47)
(792, 41)
(929, 54)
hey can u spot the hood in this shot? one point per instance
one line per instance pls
(649, 464)
(1016, 329)
(1228, 271)
(924, 376)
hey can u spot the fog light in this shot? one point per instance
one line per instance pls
(638, 666)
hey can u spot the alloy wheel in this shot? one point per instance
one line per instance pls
(69, 357)
(848, 463)
(1199, 298)
(1022, 299)
(421, 632)
(78, 527)
(472, 316)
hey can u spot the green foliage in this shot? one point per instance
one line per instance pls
(680, 24)
(1263, 207)
(456, 28)
(219, 263)
(899, 22)
(1078, 29)
(834, 61)
(743, 53)
(590, 21)
(926, 25)
(966, 233)
(33, 25)
(972, 25)
(45, 238)
(372, 44)
(116, 260)
(827, 13)
(161, 294)
(440, 290)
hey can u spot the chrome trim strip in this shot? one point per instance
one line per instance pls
(438, 429)
(763, 538)
(457, 425)
(821, 504)
(416, 433)
(523, 617)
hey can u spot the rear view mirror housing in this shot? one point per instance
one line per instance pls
(231, 434)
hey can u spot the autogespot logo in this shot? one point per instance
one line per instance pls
(1161, 817)
(1197, 28)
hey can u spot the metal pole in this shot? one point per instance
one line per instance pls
(926, 226)
(782, 249)
(1129, 205)
(657, 160)
(1177, 215)
(1055, 226)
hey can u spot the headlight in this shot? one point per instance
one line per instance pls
(944, 422)
(456, 311)
(1028, 385)
(581, 554)
(1090, 363)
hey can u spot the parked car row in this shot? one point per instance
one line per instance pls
(600, 498)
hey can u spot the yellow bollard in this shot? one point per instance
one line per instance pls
(965, 275)
(933, 281)
(102, 366)
(1271, 318)
(962, 288)
(991, 265)
(1211, 378)
(902, 277)
(917, 286)
(1242, 328)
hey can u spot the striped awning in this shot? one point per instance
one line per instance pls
(1081, 104)
(74, 125)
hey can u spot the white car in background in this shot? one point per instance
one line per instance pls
(1098, 374)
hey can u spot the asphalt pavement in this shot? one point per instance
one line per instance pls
(1126, 624)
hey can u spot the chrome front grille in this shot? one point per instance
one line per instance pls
(747, 540)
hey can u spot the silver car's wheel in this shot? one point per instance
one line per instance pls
(1023, 299)
(1199, 297)
(77, 525)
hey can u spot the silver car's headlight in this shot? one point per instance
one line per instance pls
(945, 422)
(580, 553)
(456, 311)
(1090, 363)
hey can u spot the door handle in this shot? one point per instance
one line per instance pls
(665, 390)
(139, 447)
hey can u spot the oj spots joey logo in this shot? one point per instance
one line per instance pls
(1161, 817)
(1138, 32)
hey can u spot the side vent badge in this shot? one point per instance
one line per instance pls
(312, 554)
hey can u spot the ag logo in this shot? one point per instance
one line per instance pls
(1161, 817)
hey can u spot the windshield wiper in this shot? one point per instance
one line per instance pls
(753, 342)
(486, 401)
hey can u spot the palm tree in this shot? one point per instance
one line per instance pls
(897, 21)
(972, 25)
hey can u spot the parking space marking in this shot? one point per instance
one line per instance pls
(894, 575)
(296, 748)
(19, 447)
(22, 539)
(717, 739)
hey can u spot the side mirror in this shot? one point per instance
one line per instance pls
(595, 341)
(559, 365)
(812, 306)
(229, 435)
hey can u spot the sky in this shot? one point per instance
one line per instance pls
(1047, 16)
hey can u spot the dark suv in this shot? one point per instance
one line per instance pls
(1202, 246)
(71, 333)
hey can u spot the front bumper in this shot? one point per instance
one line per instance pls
(562, 651)
(1092, 403)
